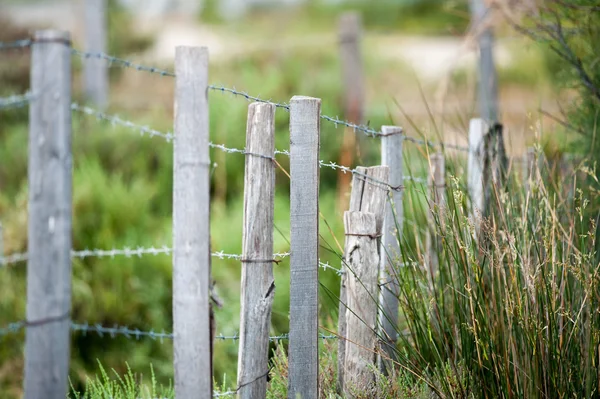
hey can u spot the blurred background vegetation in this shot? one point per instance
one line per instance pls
(123, 182)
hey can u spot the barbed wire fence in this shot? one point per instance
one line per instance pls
(25, 99)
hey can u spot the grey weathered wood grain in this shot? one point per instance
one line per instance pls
(367, 195)
(391, 156)
(304, 259)
(361, 255)
(478, 129)
(258, 285)
(488, 91)
(49, 223)
(95, 70)
(437, 190)
(191, 226)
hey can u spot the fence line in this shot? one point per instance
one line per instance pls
(191, 251)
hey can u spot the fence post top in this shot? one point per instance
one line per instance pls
(388, 130)
(261, 104)
(47, 35)
(191, 49)
(304, 98)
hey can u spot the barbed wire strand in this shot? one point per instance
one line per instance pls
(334, 120)
(163, 72)
(15, 101)
(22, 43)
(125, 252)
(145, 130)
(130, 333)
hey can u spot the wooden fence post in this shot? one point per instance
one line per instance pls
(304, 259)
(95, 70)
(478, 129)
(349, 29)
(49, 226)
(191, 226)
(258, 286)
(369, 194)
(437, 189)
(391, 156)
(488, 90)
(361, 257)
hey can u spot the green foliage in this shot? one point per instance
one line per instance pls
(513, 311)
(127, 387)
(570, 31)
(419, 17)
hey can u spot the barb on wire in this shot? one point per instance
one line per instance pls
(12, 328)
(15, 101)
(247, 96)
(327, 266)
(115, 331)
(346, 169)
(224, 394)
(115, 120)
(23, 43)
(13, 258)
(121, 62)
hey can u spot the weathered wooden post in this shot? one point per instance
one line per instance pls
(361, 256)
(304, 259)
(349, 29)
(369, 194)
(488, 86)
(391, 156)
(191, 226)
(478, 129)
(258, 285)
(437, 190)
(49, 226)
(95, 69)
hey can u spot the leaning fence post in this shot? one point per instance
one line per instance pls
(304, 259)
(361, 256)
(391, 156)
(258, 286)
(478, 129)
(49, 226)
(369, 194)
(95, 69)
(191, 226)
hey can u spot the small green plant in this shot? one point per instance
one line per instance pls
(127, 387)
